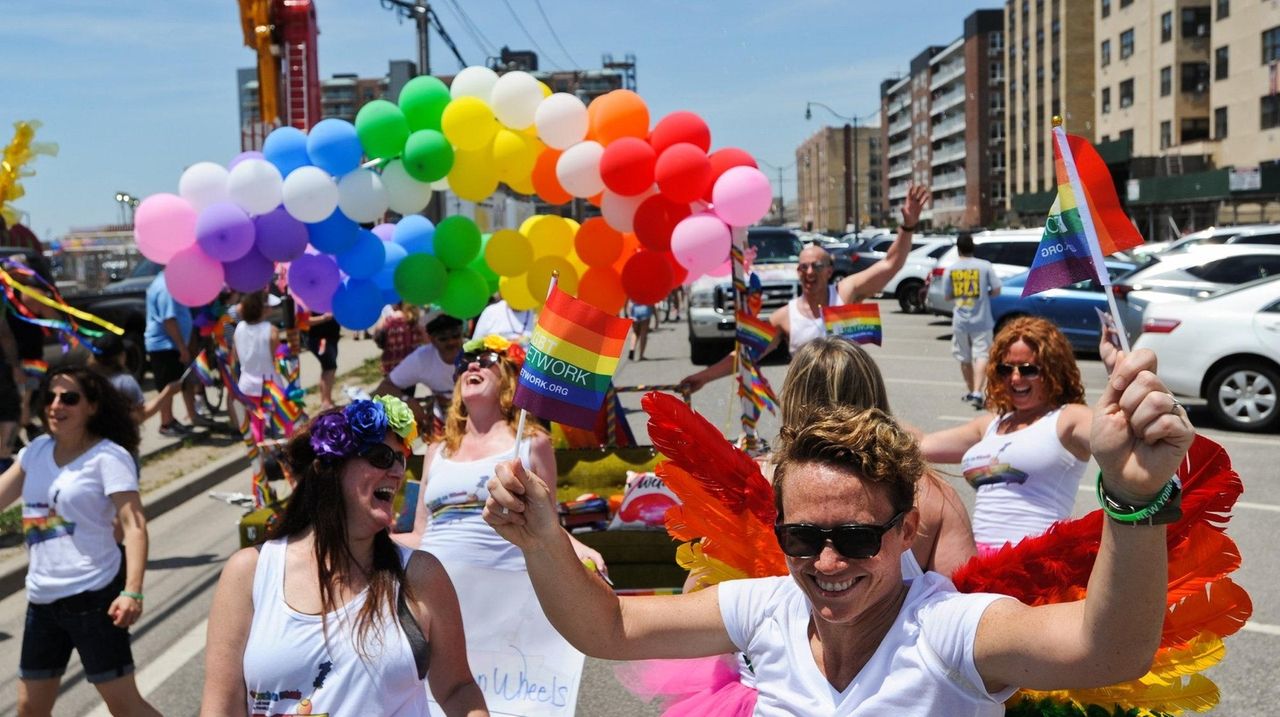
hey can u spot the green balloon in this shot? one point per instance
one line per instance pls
(423, 100)
(457, 241)
(465, 294)
(428, 156)
(382, 129)
(481, 266)
(420, 279)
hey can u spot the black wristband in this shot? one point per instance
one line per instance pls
(911, 228)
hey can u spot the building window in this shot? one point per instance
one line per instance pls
(997, 132)
(1195, 21)
(1195, 77)
(995, 42)
(1106, 8)
(1195, 129)
(1166, 27)
(1126, 93)
(1125, 3)
(995, 72)
(1106, 100)
(1126, 43)
(1220, 123)
(1126, 135)
(1270, 106)
(1271, 45)
(1224, 8)
(1166, 81)
(1106, 53)
(1166, 134)
(1221, 62)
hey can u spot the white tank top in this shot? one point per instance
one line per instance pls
(289, 668)
(453, 497)
(257, 359)
(804, 329)
(1026, 481)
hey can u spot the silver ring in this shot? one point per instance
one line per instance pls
(1174, 408)
(506, 510)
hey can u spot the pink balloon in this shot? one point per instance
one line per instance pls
(164, 225)
(193, 278)
(700, 243)
(384, 231)
(742, 196)
(724, 269)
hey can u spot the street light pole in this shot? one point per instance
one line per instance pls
(852, 198)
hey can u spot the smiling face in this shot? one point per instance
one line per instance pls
(815, 269)
(480, 381)
(66, 421)
(447, 342)
(1025, 393)
(841, 589)
(369, 492)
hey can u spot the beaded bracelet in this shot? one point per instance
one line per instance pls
(1165, 508)
(128, 594)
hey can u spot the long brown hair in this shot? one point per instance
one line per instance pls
(455, 420)
(111, 419)
(317, 503)
(830, 371)
(1059, 373)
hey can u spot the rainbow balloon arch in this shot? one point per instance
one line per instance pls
(668, 206)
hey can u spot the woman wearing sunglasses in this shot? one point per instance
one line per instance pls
(1027, 458)
(330, 616)
(82, 593)
(845, 633)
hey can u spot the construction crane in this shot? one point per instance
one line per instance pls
(283, 33)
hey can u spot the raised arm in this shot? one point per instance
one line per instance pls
(579, 604)
(949, 445)
(871, 281)
(1140, 437)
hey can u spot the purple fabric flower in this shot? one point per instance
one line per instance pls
(368, 422)
(332, 437)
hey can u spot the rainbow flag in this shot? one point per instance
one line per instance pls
(859, 323)
(1079, 233)
(283, 411)
(203, 369)
(570, 361)
(754, 333)
(35, 367)
(755, 388)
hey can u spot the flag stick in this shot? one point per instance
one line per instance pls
(555, 278)
(1110, 291)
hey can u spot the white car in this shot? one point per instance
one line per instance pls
(1224, 348)
(1010, 252)
(907, 286)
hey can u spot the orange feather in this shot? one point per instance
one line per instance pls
(1221, 607)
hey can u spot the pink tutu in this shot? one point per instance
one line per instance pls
(701, 687)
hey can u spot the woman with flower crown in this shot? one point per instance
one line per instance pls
(330, 616)
(521, 663)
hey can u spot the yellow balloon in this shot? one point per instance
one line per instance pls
(546, 89)
(578, 264)
(508, 253)
(515, 154)
(468, 123)
(515, 291)
(522, 185)
(574, 226)
(539, 276)
(527, 225)
(473, 177)
(551, 237)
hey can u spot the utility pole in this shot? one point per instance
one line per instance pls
(851, 193)
(782, 206)
(420, 11)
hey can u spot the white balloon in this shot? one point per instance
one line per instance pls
(620, 211)
(475, 81)
(562, 120)
(440, 185)
(204, 183)
(405, 195)
(515, 99)
(578, 169)
(310, 194)
(362, 196)
(255, 186)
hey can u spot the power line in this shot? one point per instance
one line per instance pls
(524, 29)
(555, 35)
(487, 47)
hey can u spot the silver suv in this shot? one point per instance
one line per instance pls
(711, 322)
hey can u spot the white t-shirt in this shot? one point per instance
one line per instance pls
(257, 360)
(923, 667)
(424, 366)
(67, 515)
(499, 318)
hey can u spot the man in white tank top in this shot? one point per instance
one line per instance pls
(801, 318)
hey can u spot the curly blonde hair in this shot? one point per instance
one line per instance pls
(455, 420)
(866, 442)
(1058, 370)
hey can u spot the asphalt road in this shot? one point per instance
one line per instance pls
(190, 543)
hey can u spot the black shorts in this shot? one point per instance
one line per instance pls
(325, 350)
(10, 399)
(81, 622)
(166, 366)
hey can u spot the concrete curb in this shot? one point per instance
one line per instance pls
(13, 572)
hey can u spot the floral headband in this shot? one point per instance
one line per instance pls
(493, 342)
(360, 425)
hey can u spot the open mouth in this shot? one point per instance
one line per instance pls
(385, 494)
(834, 588)
(1020, 391)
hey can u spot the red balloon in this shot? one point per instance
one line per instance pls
(722, 160)
(678, 272)
(601, 287)
(680, 126)
(647, 277)
(597, 243)
(544, 178)
(683, 172)
(627, 166)
(655, 219)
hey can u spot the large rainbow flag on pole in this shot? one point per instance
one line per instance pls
(570, 361)
(859, 323)
(1085, 223)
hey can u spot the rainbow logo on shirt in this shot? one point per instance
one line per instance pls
(48, 527)
(993, 473)
(459, 504)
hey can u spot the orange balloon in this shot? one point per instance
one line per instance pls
(595, 199)
(601, 287)
(597, 243)
(630, 245)
(544, 178)
(617, 114)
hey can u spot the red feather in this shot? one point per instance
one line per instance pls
(1221, 607)
(1209, 487)
(1203, 557)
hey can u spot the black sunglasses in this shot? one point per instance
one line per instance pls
(485, 358)
(68, 398)
(447, 335)
(856, 541)
(1026, 370)
(382, 456)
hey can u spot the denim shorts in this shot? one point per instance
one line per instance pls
(81, 622)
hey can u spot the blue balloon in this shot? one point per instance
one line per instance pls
(365, 258)
(416, 234)
(334, 146)
(357, 304)
(386, 277)
(286, 148)
(335, 234)
(390, 297)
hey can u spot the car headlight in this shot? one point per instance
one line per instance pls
(702, 299)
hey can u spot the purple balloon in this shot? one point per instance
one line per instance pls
(280, 236)
(224, 231)
(385, 231)
(251, 154)
(314, 278)
(250, 272)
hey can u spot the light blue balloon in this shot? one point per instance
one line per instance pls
(357, 304)
(365, 258)
(334, 146)
(386, 277)
(416, 234)
(335, 234)
(286, 148)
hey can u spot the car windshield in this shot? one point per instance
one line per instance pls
(775, 247)
(144, 268)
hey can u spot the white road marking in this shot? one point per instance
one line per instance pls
(163, 667)
(1262, 627)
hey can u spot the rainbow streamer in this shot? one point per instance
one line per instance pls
(204, 371)
(859, 323)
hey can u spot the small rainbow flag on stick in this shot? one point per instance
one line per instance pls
(570, 361)
(203, 369)
(755, 334)
(859, 323)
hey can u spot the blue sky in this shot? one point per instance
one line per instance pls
(135, 91)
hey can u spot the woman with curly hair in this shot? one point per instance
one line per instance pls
(330, 616)
(1027, 456)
